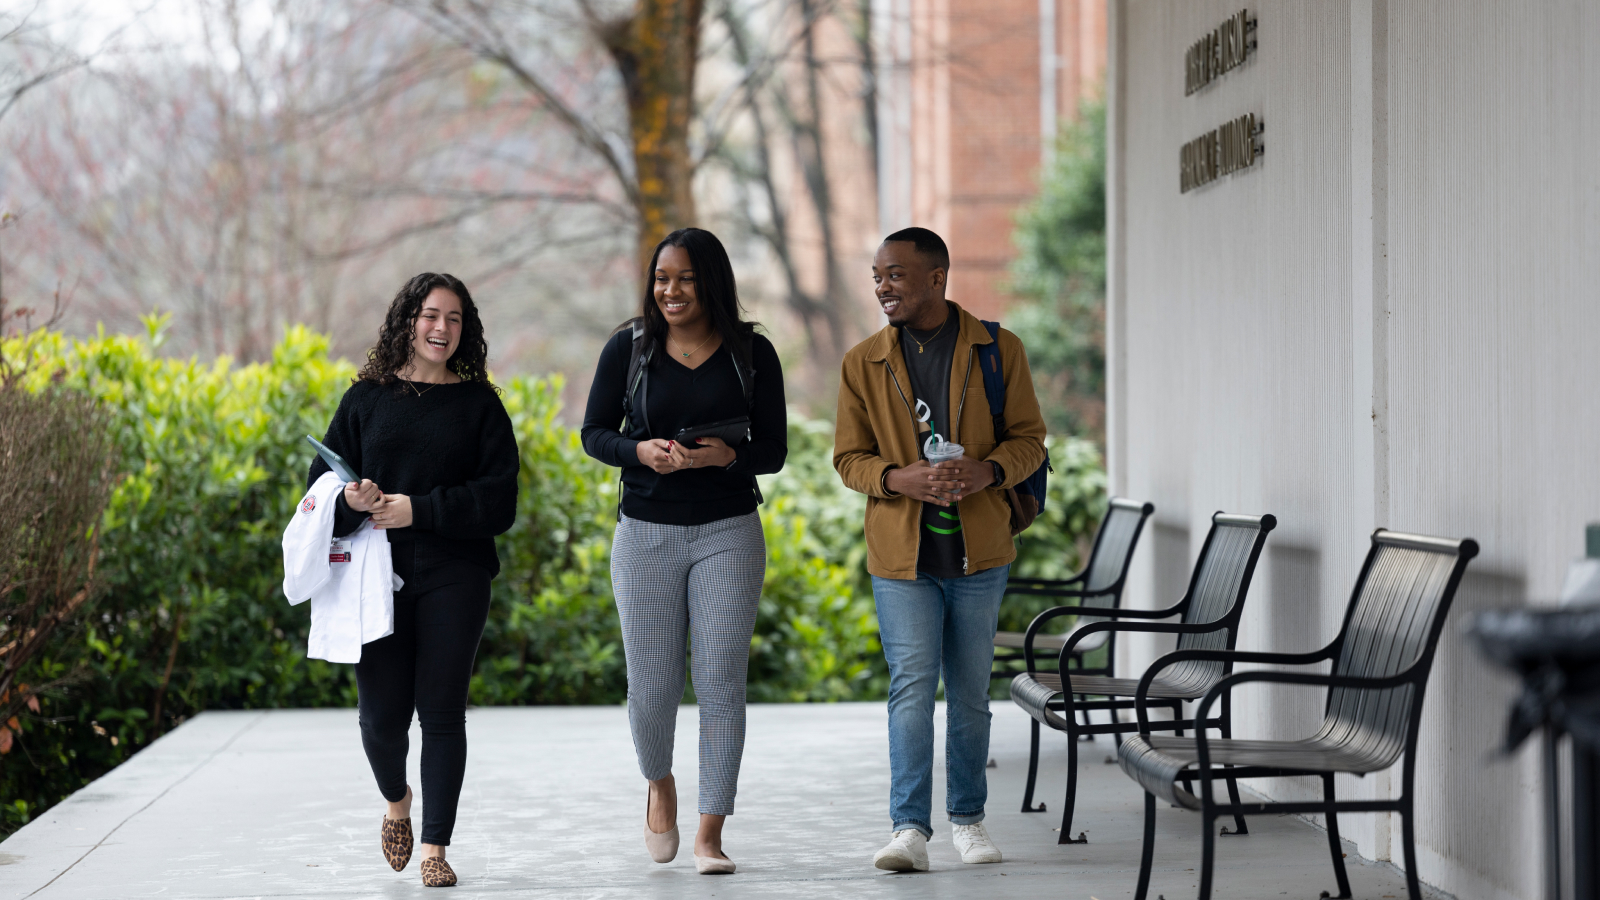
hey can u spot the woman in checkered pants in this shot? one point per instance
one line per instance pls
(688, 558)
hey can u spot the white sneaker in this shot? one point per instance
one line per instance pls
(908, 852)
(972, 842)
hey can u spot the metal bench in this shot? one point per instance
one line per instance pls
(1098, 585)
(1381, 659)
(1208, 619)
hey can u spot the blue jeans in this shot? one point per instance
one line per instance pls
(927, 625)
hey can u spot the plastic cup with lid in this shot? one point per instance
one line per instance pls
(939, 450)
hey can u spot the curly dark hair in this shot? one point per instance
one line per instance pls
(714, 286)
(393, 351)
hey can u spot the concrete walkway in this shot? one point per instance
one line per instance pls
(281, 804)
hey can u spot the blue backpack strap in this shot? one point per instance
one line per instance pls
(994, 379)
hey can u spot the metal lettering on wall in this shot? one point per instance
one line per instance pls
(1222, 50)
(1221, 151)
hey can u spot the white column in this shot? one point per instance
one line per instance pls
(1369, 315)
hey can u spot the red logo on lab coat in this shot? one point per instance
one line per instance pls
(308, 504)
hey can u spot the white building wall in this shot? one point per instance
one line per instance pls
(1384, 323)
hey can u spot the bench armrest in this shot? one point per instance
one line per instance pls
(1154, 627)
(1104, 612)
(1203, 745)
(1226, 656)
(1055, 581)
(1033, 589)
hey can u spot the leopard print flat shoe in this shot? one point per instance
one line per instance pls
(397, 842)
(437, 873)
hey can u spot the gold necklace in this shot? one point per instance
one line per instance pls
(930, 337)
(705, 342)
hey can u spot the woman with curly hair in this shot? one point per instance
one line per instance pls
(425, 429)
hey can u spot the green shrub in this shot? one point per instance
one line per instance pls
(191, 616)
(816, 634)
(552, 635)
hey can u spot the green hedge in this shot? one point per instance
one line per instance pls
(212, 463)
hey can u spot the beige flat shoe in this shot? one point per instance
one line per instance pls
(713, 865)
(663, 845)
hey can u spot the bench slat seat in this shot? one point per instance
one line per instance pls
(1157, 761)
(1049, 684)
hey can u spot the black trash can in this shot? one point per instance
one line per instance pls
(1557, 653)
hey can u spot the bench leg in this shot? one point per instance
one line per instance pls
(1072, 793)
(1334, 846)
(1233, 783)
(1148, 854)
(1408, 837)
(1033, 768)
(1208, 848)
(1238, 817)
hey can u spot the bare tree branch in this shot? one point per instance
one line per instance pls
(475, 31)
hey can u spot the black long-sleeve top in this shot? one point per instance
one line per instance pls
(451, 450)
(679, 397)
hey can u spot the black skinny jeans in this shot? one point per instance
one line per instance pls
(424, 665)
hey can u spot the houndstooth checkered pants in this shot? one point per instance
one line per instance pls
(676, 581)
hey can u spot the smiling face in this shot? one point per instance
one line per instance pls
(674, 291)
(436, 331)
(910, 290)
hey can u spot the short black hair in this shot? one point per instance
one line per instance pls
(927, 243)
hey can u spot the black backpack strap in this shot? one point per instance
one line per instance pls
(638, 365)
(639, 356)
(744, 365)
(994, 379)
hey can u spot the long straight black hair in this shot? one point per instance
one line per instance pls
(714, 287)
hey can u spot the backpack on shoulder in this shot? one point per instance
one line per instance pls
(1027, 498)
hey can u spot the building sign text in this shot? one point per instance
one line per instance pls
(1223, 49)
(1220, 151)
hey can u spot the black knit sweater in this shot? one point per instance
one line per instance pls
(680, 397)
(450, 450)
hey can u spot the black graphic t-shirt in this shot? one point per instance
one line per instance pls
(929, 358)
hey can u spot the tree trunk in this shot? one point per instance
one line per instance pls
(656, 51)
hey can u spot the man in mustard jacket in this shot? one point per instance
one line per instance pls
(939, 543)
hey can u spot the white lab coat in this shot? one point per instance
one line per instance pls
(352, 603)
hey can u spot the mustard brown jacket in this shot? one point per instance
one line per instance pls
(876, 430)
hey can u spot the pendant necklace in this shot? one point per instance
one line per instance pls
(419, 393)
(702, 343)
(920, 344)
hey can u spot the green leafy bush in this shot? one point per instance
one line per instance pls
(552, 635)
(191, 616)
